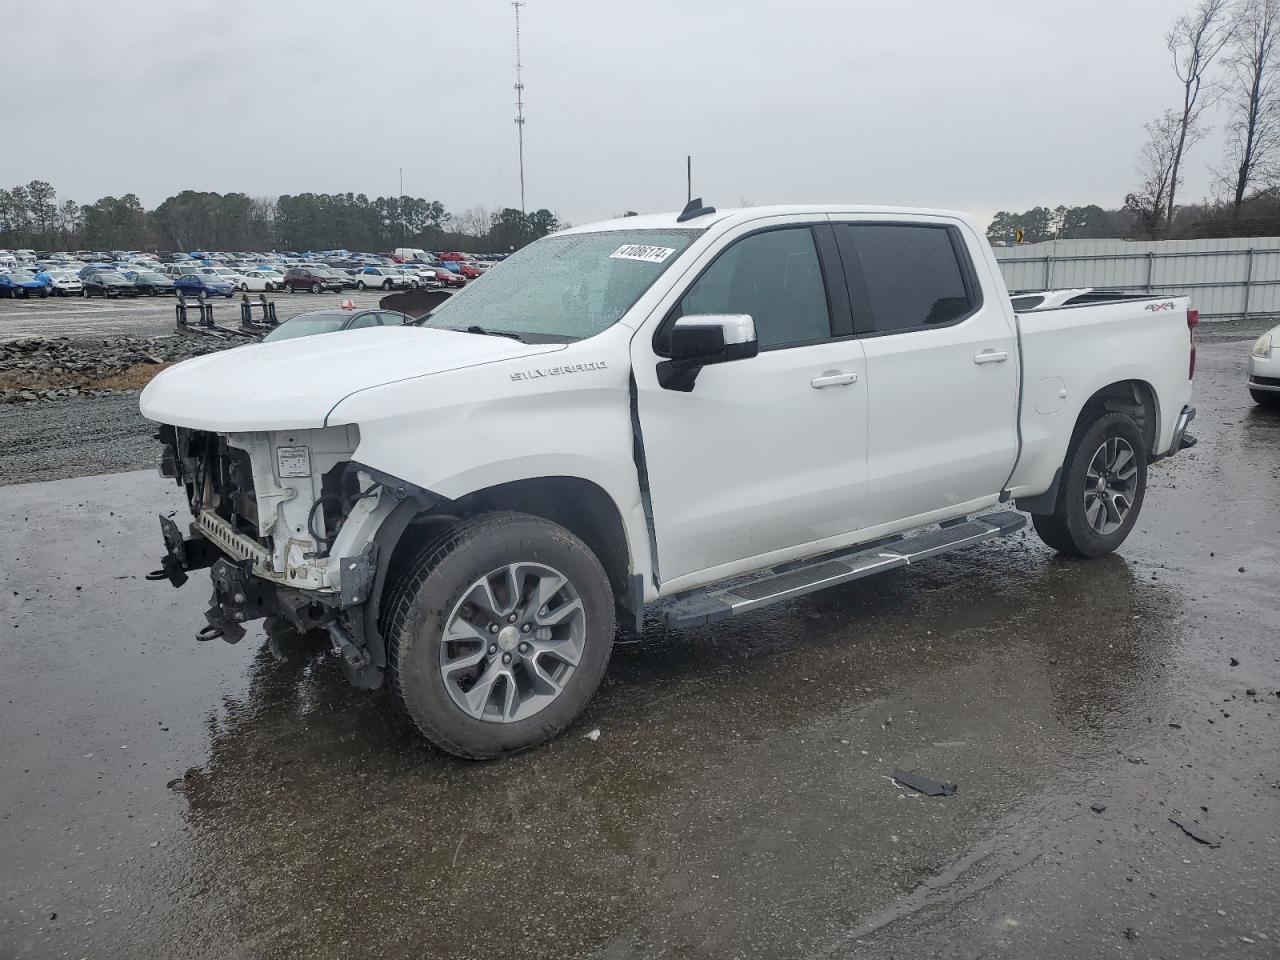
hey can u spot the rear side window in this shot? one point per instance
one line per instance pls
(1027, 303)
(775, 278)
(906, 276)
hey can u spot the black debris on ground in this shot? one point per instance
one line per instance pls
(926, 785)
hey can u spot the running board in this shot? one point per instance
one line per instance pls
(787, 581)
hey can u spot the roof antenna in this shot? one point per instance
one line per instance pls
(694, 209)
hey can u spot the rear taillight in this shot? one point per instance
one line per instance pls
(1193, 321)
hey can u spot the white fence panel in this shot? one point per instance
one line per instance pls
(1225, 278)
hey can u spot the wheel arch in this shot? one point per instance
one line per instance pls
(581, 506)
(1135, 397)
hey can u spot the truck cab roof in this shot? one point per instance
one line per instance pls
(734, 215)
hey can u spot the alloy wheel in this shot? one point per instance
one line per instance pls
(512, 643)
(1110, 483)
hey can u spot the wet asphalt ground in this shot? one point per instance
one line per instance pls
(165, 798)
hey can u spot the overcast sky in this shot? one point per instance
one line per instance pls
(981, 105)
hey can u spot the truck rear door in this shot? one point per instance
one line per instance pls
(941, 361)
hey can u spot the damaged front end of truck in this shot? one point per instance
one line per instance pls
(292, 529)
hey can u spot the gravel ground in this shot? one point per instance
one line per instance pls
(74, 438)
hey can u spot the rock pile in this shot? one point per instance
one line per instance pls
(39, 369)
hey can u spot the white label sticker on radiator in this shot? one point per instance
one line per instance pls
(293, 461)
(642, 251)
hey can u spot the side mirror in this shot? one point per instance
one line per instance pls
(698, 341)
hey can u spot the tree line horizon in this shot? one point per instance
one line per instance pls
(33, 217)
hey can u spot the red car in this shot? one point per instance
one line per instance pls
(469, 270)
(449, 278)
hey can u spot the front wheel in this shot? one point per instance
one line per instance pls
(386, 284)
(360, 285)
(1265, 398)
(499, 633)
(1104, 481)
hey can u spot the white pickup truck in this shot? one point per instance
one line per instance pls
(711, 411)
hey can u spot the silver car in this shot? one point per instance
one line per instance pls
(1264, 369)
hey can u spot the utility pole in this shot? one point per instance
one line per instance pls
(517, 4)
(688, 172)
(400, 207)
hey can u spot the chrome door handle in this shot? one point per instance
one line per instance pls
(833, 378)
(991, 356)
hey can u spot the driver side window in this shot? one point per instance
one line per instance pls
(774, 277)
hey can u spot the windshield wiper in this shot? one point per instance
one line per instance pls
(484, 331)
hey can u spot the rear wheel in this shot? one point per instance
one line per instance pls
(501, 632)
(315, 288)
(1100, 494)
(386, 284)
(1266, 398)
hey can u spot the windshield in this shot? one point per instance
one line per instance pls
(308, 324)
(21, 275)
(566, 287)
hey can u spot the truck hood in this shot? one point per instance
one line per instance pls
(293, 384)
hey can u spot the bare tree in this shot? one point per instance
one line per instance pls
(1195, 40)
(1252, 69)
(1150, 203)
(476, 222)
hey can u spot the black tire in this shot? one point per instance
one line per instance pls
(84, 292)
(44, 292)
(431, 586)
(1265, 398)
(1067, 529)
(315, 288)
(360, 285)
(386, 284)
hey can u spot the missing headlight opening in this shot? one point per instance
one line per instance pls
(285, 521)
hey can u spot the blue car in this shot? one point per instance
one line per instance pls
(23, 283)
(204, 283)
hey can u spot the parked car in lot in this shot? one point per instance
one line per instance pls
(62, 281)
(746, 406)
(1264, 369)
(388, 278)
(469, 270)
(257, 279)
(149, 282)
(425, 275)
(448, 274)
(104, 281)
(315, 279)
(333, 321)
(203, 282)
(18, 283)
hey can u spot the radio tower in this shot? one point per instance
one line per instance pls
(517, 4)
